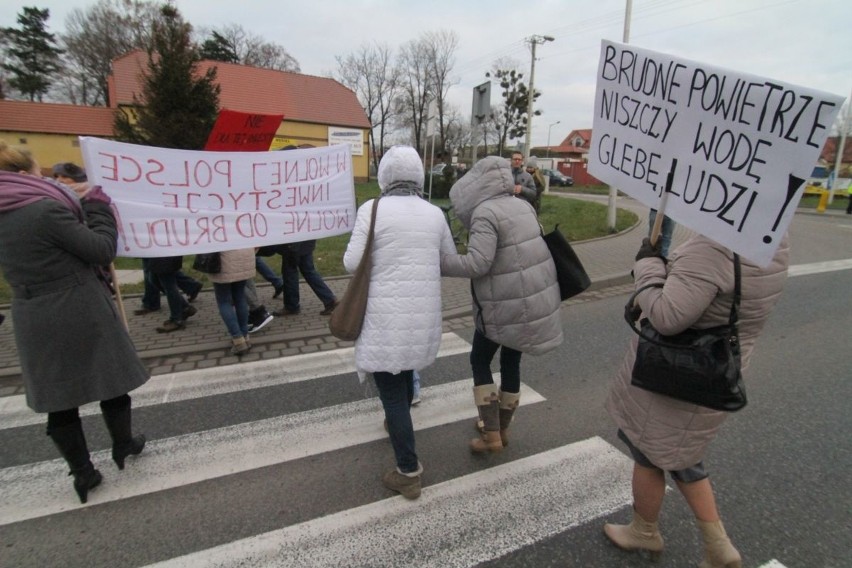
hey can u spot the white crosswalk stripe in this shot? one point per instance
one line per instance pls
(526, 500)
(224, 451)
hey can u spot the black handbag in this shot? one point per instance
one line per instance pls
(701, 366)
(208, 262)
(570, 273)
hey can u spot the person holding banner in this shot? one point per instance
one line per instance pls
(668, 435)
(402, 324)
(71, 340)
(229, 285)
(515, 293)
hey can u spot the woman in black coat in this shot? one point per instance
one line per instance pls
(72, 344)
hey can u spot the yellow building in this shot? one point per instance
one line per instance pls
(318, 111)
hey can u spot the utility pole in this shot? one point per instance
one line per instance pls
(613, 191)
(534, 40)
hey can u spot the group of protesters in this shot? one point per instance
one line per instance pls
(52, 235)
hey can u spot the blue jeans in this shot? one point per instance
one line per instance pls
(177, 303)
(303, 261)
(665, 231)
(396, 392)
(267, 273)
(231, 300)
(482, 353)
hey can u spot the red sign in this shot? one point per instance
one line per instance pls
(243, 132)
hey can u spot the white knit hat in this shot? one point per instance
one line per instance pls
(400, 163)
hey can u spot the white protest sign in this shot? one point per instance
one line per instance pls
(743, 145)
(174, 202)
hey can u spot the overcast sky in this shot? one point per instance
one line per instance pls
(803, 42)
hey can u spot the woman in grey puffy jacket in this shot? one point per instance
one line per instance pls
(515, 292)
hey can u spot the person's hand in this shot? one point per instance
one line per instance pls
(647, 250)
(96, 195)
(517, 189)
(632, 312)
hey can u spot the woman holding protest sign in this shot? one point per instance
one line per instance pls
(665, 434)
(72, 343)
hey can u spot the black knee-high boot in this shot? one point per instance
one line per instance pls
(71, 442)
(117, 415)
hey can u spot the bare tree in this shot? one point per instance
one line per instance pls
(441, 47)
(415, 88)
(99, 34)
(252, 49)
(457, 132)
(370, 72)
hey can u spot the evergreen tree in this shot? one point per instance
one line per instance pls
(178, 106)
(218, 48)
(31, 53)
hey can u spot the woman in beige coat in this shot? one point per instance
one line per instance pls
(664, 434)
(229, 285)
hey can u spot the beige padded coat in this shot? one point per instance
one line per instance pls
(698, 292)
(237, 265)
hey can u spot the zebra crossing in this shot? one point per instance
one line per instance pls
(474, 517)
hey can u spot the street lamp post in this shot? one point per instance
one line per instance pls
(534, 40)
(548, 136)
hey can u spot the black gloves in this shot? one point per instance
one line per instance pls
(647, 250)
(632, 312)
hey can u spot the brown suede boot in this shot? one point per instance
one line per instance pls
(509, 402)
(488, 403)
(638, 535)
(240, 346)
(718, 550)
(406, 484)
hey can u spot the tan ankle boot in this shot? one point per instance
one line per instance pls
(488, 403)
(718, 550)
(638, 535)
(509, 402)
(240, 346)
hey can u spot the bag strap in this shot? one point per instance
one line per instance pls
(368, 247)
(733, 316)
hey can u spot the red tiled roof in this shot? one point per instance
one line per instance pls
(584, 133)
(301, 98)
(829, 150)
(50, 118)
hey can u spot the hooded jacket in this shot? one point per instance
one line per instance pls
(515, 292)
(698, 292)
(402, 325)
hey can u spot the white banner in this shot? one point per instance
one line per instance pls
(175, 202)
(743, 145)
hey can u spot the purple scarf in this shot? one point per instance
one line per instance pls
(19, 190)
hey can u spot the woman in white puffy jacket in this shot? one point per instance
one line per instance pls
(402, 326)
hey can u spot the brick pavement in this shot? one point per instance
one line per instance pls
(205, 344)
